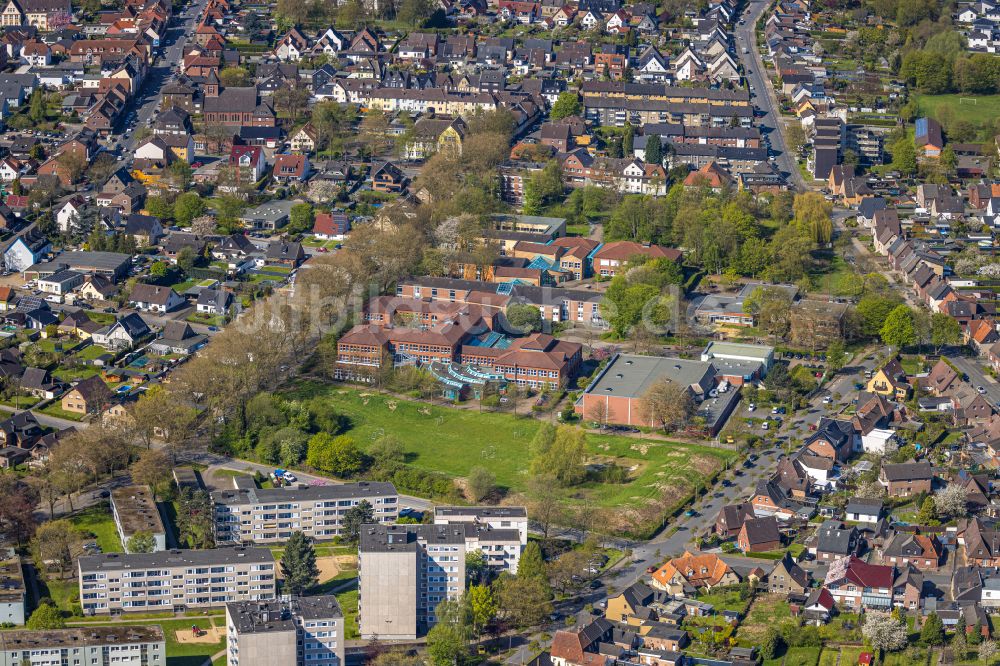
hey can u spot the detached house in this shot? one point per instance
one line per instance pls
(154, 298)
(890, 381)
(759, 535)
(290, 167)
(89, 396)
(855, 584)
(906, 479)
(685, 574)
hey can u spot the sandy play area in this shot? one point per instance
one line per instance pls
(331, 565)
(212, 635)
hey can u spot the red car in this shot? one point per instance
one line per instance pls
(650, 570)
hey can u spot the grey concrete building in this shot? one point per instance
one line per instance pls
(175, 579)
(405, 571)
(496, 517)
(304, 631)
(85, 646)
(254, 515)
(135, 511)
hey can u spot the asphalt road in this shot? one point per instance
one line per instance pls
(150, 94)
(974, 368)
(763, 95)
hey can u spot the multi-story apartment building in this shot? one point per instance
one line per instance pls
(12, 590)
(85, 646)
(304, 631)
(175, 579)
(494, 517)
(135, 512)
(270, 516)
(405, 571)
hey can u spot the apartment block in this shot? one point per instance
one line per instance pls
(12, 591)
(405, 571)
(253, 515)
(135, 511)
(494, 517)
(175, 579)
(85, 646)
(304, 631)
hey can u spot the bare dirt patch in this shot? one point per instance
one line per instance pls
(210, 636)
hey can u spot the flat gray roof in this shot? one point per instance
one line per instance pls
(175, 558)
(254, 617)
(137, 512)
(630, 375)
(482, 511)
(79, 637)
(738, 349)
(361, 489)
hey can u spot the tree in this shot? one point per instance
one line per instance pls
(952, 501)
(448, 639)
(180, 174)
(158, 206)
(988, 651)
(870, 490)
(298, 564)
(483, 606)
(73, 163)
(884, 632)
(300, 218)
(187, 207)
(46, 616)
(477, 570)
(566, 105)
(291, 100)
(948, 160)
(141, 542)
(836, 356)
(481, 483)
(414, 12)
(196, 518)
(932, 632)
(904, 156)
(531, 564)
(524, 317)
(524, 602)
(812, 216)
(945, 331)
(898, 330)
(360, 514)
(654, 150)
(563, 458)
(234, 77)
(339, 456)
(36, 106)
(928, 512)
(667, 403)
(153, 468)
(772, 644)
(17, 510)
(55, 543)
(873, 310)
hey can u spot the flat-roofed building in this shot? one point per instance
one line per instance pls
(175, 580)
(304, 631)
(405, 571)
(496, 517)
(135, 512)
(85, 646)
(271, 515)
(615, 394)
(12, 591)
(112, 265)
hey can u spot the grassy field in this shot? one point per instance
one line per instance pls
(802, 656)
(985, 107)
(98, 521)
(55, 408)
(91, 352)
(769, 610)
(453, 441)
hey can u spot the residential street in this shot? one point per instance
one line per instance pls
(148, 101)
(762, 94)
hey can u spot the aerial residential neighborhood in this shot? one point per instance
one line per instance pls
(441, 332)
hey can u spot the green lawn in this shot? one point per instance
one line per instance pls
(21, 400)
(98, 521)
(802, 656)
(837, 279)
(985, 106)
(349, 604)
(91, 352)
(725, 599)
(207, 319)
(55, 409)
(438, 439)
(64, 593)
